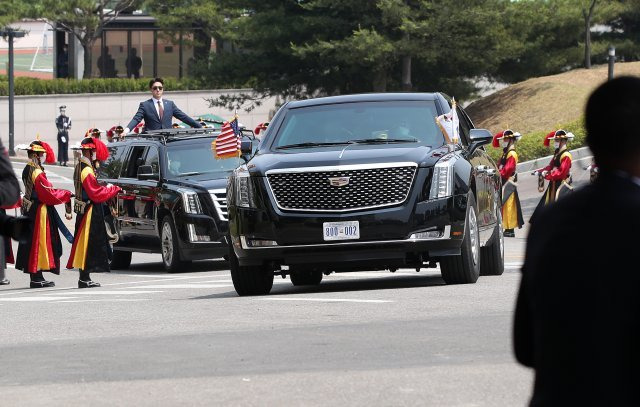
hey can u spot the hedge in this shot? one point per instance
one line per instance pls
(34, 86)
(531, 145)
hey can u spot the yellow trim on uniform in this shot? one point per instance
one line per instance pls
(510, 213)
(512, 153)
(85, 173)
(43, 252)
(35, 175)
(80, 255)
(565, 154)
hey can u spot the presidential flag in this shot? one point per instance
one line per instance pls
(227, 144)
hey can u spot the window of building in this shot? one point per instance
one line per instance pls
(142, 48)
(168, 50)
(115, 55)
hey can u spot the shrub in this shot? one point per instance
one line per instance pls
(34, 86)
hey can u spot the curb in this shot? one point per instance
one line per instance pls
(529, 166)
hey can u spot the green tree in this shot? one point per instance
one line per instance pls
(85, 19)
(204, 18)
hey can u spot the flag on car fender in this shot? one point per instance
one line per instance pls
(227, 144)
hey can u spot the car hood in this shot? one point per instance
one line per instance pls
(424, 156)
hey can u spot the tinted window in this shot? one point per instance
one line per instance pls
(112, 166)
(130, 170)
(465, 127)
(195, 158)
(153, 159)
(363, 120)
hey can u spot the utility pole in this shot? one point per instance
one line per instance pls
(9, 34)
(612, 60)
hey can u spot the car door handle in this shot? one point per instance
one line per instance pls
(481, 169)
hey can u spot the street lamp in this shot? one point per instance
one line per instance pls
(612, 60)
(9, 34)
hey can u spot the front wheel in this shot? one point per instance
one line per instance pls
(170, 247)
(249, 280)
(465, 267)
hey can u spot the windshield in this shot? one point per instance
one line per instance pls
(196, 158)
(395, 121)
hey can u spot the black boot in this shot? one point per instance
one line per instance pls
(38, 281)
(85, 280)
(5, 281)
(509, 233)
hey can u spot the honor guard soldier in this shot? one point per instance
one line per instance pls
(511, 209)
(42, 252)
(558, 172)
(90, 252)
(63, 123)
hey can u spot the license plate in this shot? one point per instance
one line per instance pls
(341, 230)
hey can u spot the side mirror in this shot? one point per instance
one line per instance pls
(246, 146)
(479, 137)
(145, 173)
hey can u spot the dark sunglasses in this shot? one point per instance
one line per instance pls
(157, 88)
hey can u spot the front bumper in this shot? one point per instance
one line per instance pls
(385, 236)
(192, 227)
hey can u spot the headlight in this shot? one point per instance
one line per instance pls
(243, 188)
(190, 200)
(442, 180)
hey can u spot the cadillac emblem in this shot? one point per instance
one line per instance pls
(338, 181)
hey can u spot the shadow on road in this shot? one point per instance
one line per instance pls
(344, 285)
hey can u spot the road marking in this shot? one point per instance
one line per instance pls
(101, 292)
(107, 300)
(35, 299)
(322, 300)
(195, 285)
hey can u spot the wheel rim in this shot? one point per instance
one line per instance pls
(473, 236)
(167, 244)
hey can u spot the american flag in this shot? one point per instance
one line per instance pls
(227, 144)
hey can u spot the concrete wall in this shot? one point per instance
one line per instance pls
(36, 114)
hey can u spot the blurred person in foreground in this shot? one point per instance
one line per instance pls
(9, 197)
(577, 320)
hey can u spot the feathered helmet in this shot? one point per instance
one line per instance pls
(557, 135)
(115, 131)
(503, 135)
(102, 152)
(39, 146)
(260, 127)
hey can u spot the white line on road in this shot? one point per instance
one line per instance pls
(321, 300)
(108, 300)
(35, 299)
(100, 292)
(195, 285)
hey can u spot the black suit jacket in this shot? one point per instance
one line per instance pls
(577, 319)
(147, 112)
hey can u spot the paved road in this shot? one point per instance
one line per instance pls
(151, 338)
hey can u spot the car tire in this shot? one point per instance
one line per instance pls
(249, 280)
(465, 267)
(169, 247)
(121, 260)
(305, 277)
(492, 255)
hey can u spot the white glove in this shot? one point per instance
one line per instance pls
(535, 173)
(63, 139)
(126, 131)
(545, 173)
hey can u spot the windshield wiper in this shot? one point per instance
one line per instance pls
(384, 140)
(190, 173)
(304, 145)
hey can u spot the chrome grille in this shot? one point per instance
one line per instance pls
(326, 189)
(219, 197)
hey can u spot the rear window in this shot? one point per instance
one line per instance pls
(110, 169)
(361, 121)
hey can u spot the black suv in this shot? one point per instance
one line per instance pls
(364, 182)
(174, 196)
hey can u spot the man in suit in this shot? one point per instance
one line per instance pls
(157, 112)
(577, 321)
